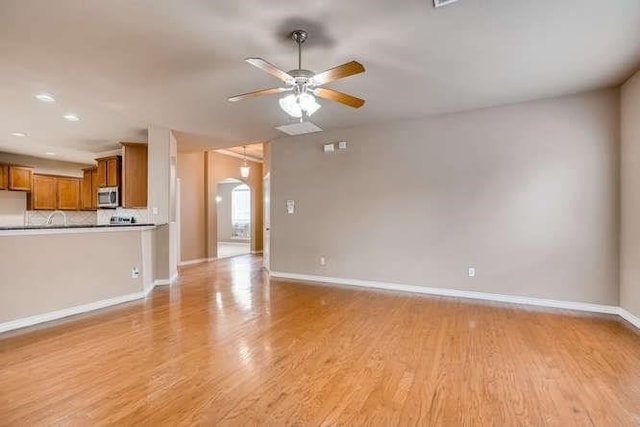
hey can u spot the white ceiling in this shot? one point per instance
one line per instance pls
(125, 64)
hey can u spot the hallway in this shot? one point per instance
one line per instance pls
(227, 346)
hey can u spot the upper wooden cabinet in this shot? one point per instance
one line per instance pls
(54, 192)
(134, 175)
(89, 189)
(4, 177)
(44, 195)
(68, 194)
(109, 170)
(20, 178)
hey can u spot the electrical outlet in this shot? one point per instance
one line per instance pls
(135, 273)
(472, 272)
(291, 207)
(323, 261)
(155, 211)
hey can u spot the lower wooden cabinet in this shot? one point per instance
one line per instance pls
(54, 192)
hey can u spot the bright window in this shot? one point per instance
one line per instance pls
(241, 211)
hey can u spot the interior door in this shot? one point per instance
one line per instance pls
(266, 243)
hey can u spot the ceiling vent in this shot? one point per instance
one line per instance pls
(299, 128)
(441, 3)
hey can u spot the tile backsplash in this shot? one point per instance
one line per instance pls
(73, 218)
(141, 215)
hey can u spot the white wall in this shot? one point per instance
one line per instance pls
(13, 205)
(630, 188)
(527, 193)
(48, 166)
(162, 198)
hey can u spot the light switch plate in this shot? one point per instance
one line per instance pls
(155, 211)
(291, 206)
(342, 145)
(329, 148)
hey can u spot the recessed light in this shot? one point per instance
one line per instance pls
(45, 97)
(72, 117)
(50, 153)
(18, 134)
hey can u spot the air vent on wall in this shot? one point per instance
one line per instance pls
(441, 3)
(299, 128)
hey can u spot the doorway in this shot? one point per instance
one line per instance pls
(233, 202)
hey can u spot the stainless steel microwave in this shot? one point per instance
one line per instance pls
(108, 197)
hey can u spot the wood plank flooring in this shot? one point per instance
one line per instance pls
(229, 347)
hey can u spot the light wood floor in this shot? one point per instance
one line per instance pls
(228, 347)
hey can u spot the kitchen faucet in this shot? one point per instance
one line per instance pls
(54, 213)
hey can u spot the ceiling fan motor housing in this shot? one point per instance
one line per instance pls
(299, 36)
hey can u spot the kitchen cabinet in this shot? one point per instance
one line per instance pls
(109, 170)
(20, 178)
(4, 177)
(68, 194)
(89, 189)
(44, 193)
(134, 175)
(52, 192)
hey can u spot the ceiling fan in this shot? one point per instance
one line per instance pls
(305, 84)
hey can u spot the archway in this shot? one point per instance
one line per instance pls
(233, 202)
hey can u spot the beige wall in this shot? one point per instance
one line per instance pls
(266, 166)
(160, 241)
(219, 168)
(45, 166)
(527, 194)
(199, 187)
(45, 273)
(630, 190)
(191, 171)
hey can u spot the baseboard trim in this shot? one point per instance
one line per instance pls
(626, 315)
(256, 252)
(510, 299)
(71, 311)
(166, 282)
(196, 261)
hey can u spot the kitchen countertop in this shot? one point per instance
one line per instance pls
(60, 229)
(58, 226)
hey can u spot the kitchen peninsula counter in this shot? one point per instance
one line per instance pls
(52, 272)
(60, 229)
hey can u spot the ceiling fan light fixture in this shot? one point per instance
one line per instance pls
(290, 105)
(308, 103)
(296, 104)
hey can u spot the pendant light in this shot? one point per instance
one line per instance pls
(244, 169)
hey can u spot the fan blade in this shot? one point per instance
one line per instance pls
(343, 98)
(339, 72)
(271, 69)
(262, 92)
